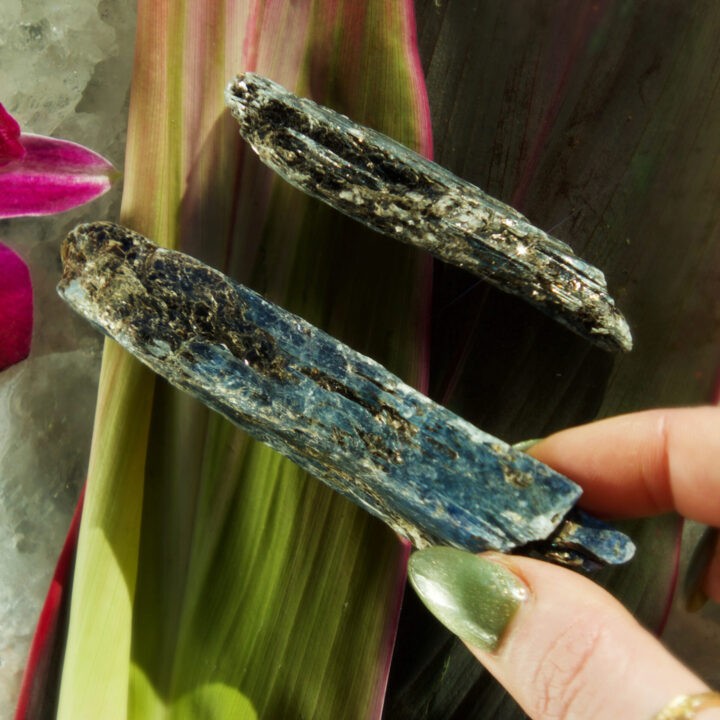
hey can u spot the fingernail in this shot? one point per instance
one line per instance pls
(473, 597)
(525, 445)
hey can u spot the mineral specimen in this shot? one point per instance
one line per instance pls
(395, 191)
(429, 474)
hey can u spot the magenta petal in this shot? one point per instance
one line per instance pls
(55, 175)
(16, 308)
(10, 146)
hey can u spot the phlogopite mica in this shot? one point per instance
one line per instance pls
(395, 191)
(429, 474)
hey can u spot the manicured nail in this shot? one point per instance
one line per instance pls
(473, 597)
(525, 445)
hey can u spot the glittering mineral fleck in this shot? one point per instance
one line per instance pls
(430, 475)
(395, 191)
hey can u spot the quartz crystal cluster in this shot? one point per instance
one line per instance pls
(64, 67)
(46, 409)
(64, 71)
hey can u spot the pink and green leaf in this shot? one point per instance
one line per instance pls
(210, 571)
(16, 308)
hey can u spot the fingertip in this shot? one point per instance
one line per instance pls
(571, 645)
(643, 463)
(471, 595)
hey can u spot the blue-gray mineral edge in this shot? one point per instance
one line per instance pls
(344, 418)
(395, 191)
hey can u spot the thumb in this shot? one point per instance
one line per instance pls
(559, 643)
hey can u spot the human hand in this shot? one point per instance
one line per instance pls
(559, 643)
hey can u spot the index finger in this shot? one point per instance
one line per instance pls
(643, 463)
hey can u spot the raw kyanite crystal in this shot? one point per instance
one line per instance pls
(429, 474)
(395, 191)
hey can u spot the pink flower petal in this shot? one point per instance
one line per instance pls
(16, 308)
(10, 146)
(54, 176)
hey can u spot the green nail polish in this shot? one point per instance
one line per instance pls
(473, 597)
(525, 445)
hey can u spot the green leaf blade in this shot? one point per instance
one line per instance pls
(249, 574)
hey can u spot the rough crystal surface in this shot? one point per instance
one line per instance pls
(395, 191)
(430, 475)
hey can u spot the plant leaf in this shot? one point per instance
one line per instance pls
(205, 560)
(51, 176)
(595, 119)
(16, 308)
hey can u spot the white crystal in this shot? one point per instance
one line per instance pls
(64, 70)
(45, 425)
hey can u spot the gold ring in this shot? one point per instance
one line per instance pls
(687, 707)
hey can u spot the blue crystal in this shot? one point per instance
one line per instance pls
(393, 190)
(429, 474)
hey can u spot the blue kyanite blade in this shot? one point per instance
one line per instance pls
(343, 417)
(388, 187)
